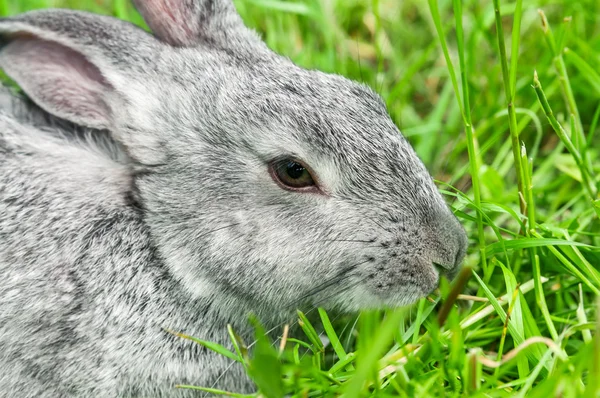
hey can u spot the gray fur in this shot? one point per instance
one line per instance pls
(167, 217)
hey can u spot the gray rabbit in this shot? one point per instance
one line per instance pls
(182, 180)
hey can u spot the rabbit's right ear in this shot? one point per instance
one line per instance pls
(74, 65)
(185, 23)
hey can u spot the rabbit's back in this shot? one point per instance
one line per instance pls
(80, 283)
(55, 197)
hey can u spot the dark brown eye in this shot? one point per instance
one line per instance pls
(291, 174)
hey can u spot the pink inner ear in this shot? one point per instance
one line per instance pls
(59, 79)
(175, 22)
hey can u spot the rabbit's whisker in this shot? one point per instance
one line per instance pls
(348, 240)
(218, 229)
(353, 327)
(343, 274)
(208, 232)
(378, 224)
(344, 288)
(320, 287)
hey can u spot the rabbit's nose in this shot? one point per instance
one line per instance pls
(450, 244)
(462, 248)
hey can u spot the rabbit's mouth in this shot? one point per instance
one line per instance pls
(359, 299)
(390, 287)
(449, 272)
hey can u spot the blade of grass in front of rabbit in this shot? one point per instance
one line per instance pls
(282, 324)
(292, 324)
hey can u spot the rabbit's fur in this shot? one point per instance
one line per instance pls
(139, 199)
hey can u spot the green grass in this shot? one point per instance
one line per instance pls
(513, 141)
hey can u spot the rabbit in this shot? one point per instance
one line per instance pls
(181, 180)
(20, 108)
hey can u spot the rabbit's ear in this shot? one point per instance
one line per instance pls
(184, 23)
(69, 62)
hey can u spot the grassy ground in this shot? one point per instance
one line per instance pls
(522, 179)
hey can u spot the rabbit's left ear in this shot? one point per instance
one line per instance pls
(185, 23)
(68, 62)
(83, 68)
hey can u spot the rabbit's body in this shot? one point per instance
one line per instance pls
(18, 108)
(181, 182)
(71, 329)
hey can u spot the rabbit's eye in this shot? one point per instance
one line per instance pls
(291, 174)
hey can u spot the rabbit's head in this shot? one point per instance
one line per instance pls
(261, 182)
